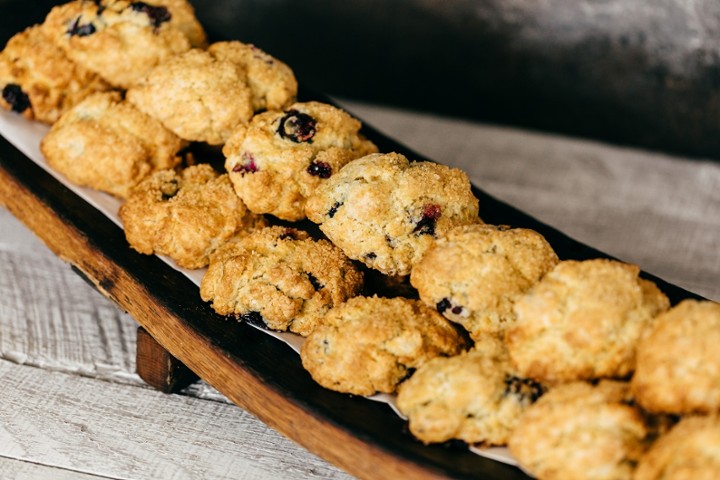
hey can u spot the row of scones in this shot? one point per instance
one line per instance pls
(582, 368)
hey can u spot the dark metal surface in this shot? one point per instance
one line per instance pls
(627, 71)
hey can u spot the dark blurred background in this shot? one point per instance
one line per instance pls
(635, 72)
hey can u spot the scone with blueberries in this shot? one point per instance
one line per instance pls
(185, 215)
(123, 40)
(197, 96)
(39, 81)
(279, 277)
(690, 451)
(370, 344)
(581, 431)
(475, 396)
(678, 363)
(582, 321)
(272, 82)
(107, 144)
(474, 273)
(279, 159)
(386, 211)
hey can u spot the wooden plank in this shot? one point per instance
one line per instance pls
(24, 470)
(76, 424)
(158, 367)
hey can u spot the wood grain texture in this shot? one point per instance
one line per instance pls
(158, 367)
(137, 433)
(25, 470)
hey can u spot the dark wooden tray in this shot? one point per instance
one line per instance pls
(257, 372)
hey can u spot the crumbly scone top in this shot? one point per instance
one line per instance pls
(678, 363)
(370, 344)
(386, 211)
(580, 431)
(475, 396)
(281, 277)
(39, 81)
(186, 215)
(582, 321)
(280, 158)
(106, 143)
(474, 273)
(195, 95)
(123, 40)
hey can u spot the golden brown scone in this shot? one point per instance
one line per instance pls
(690, 451)
(583, 321)
(474, 273)
(581, 431)
(196, 96)
(120, 40)
(185, 215)
(272, 82)
(474, 396)
(370, 344)
(386, 211)
(678, 363)
(279, 160)
(39, 81)
(107, 144)
(281, 277)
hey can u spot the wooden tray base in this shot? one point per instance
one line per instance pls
(158, 367)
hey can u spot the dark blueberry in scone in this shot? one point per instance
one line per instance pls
(443, 305)
(524, 388)
(320, 169)
(76, 29)
(314, 281)
(333, 210)
(430, 215)
(18, 100)
(247, 166)
(290, 233)
(158, 15)
(297, 127)
(169, 189)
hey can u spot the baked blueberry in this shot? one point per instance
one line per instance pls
(297, 127)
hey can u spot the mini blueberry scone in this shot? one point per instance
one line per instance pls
(271, 81)
(107, 144)
(474, 396)
(197, 96)
(498, 264)
(690, 451)
(581, 431)
(583, 321)
(678, 363)
(386, 211)
(185, 215)
(279, 276)
(370, 344)
(280, 158)
(39, 81)
(123, 40)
